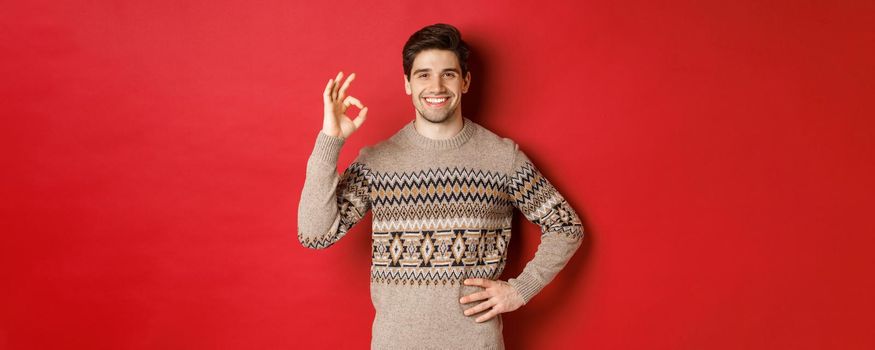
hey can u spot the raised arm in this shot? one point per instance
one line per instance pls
(561, 228)
(331, 204)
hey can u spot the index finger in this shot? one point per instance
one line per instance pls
(354, 101)
(478, 282)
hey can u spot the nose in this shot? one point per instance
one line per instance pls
(436, 85)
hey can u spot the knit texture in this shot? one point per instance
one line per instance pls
(442, 212)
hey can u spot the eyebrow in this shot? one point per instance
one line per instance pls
(429, 69)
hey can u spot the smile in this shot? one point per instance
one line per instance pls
(436, 101)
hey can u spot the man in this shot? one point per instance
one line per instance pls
(442, 190)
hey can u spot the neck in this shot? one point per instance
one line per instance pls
(458, 136)
(439, 131)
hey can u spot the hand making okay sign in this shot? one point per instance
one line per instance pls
(336, 101)
(499, 295)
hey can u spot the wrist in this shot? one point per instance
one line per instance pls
(333, 133)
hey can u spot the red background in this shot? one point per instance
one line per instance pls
(721, 155)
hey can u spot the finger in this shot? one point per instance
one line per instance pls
(480, 307)
(326, 95)
(474, 297)
(336, 85)
(354, 101)
(488, 315)
(478, 282)
(345, 86)
(360, 119)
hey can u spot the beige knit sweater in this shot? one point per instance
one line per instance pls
(442, 213)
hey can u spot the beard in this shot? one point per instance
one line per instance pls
(436, 116)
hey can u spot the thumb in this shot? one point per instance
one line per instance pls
(360, 119)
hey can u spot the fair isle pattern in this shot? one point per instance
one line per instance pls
(440, 199)
(439, 248)
(542, 204)
(439, 226)
(438, 257)
(449, 275)
(352, 203)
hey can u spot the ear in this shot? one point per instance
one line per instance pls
(407, 88)
(467, 83)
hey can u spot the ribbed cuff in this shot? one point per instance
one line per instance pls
(526, 286)
(327, 148)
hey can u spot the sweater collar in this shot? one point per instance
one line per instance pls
(415, 138)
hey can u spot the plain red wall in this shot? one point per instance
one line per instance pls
(720, 153)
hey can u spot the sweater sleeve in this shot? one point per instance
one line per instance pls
(561, 228)
(331, 204)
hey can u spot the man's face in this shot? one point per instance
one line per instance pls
(436, 85)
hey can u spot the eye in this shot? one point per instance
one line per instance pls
(450, 74)
(423, 75)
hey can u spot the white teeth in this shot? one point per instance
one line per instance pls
(436, 100)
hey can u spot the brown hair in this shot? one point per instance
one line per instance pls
(436, 36)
